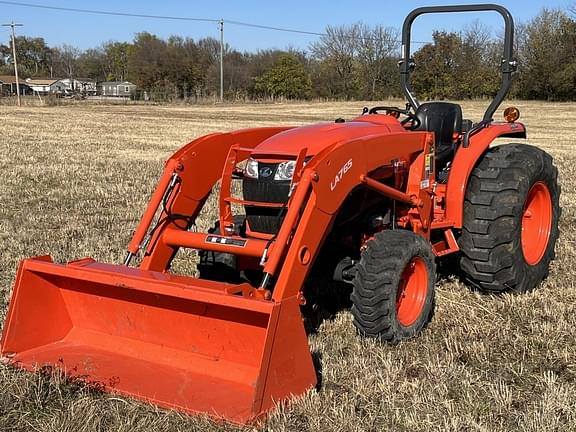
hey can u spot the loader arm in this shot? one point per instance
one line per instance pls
(324, 186)
(198, 166)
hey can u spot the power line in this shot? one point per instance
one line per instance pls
(179, 18)
(282, 29)
(101, 12)
(265, 27)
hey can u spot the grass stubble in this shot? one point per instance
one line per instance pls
(75, 180)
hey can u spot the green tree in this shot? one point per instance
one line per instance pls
(182, 67)
(548, 57)
(259, 63)
(5, 65)
(458, 66)
(147, 62)
(286, 78)
(34, 56)
(478, 73)
(92, 64)
(436, 65)
(108, 62)
(116, 55)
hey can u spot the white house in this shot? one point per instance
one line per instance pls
(46, 86)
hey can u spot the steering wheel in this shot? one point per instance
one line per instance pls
(391, 110)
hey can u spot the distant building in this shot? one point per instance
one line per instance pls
(85, 86)
(8, 86)
(45, 86)
(116, 88)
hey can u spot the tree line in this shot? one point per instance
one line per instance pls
(348, 62)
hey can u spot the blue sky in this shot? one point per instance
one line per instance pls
(86, 31)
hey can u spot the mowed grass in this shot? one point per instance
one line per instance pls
(75, 180)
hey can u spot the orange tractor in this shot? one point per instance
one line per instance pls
(359, 210)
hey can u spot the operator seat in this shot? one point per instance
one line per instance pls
(444, 119)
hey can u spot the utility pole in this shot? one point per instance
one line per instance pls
(14, 55)
(221, 60)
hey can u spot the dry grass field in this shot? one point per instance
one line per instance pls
(75, 180)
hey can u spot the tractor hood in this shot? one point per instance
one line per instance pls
(319, 136)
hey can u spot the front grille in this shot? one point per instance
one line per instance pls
(263, 219)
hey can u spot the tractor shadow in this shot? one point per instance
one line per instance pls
(448, 268)
(317, 361)
(325, 305)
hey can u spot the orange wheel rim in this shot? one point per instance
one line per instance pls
(412, 292)
(536, 223)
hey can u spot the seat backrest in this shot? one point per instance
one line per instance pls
(444, 119)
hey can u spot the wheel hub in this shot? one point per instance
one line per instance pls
(412, 292)
(536, 223)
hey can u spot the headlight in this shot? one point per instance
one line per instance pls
(251, 168)
(285, 170)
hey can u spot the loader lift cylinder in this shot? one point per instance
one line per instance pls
(166, 183)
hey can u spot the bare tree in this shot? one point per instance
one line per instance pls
(65, 60)
(477, 36)
(337, 48)
(376, 48)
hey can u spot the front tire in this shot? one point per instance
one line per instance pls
(393, 294)
(511, 213)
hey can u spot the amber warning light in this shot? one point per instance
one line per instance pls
(511, 114)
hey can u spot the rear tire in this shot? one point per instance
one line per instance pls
(393, 295)
(511, 213)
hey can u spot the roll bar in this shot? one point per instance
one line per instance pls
(508, 63)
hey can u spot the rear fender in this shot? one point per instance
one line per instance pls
(466, 160)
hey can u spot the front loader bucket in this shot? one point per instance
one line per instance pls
(176, 341)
